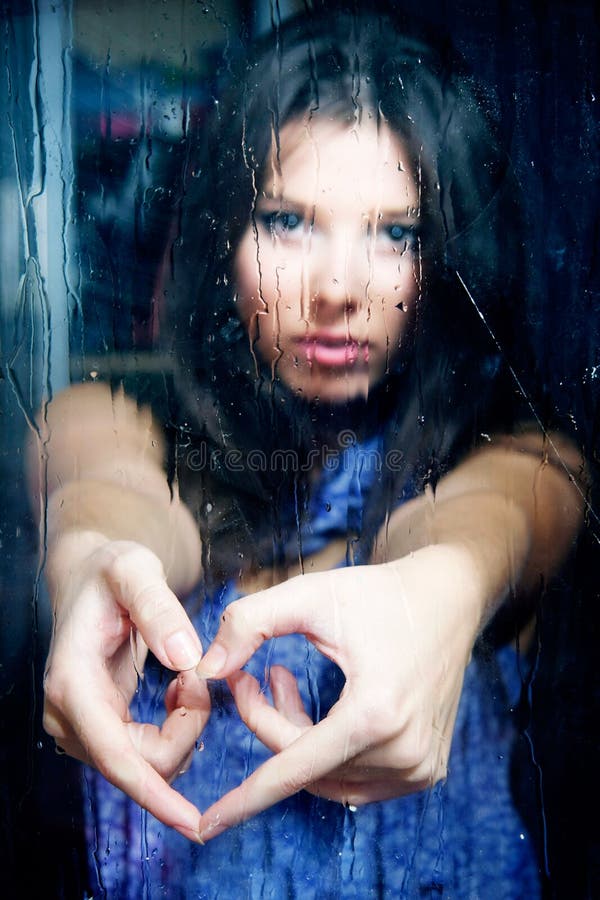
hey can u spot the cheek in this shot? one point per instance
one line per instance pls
(395, 281)
(264, 283)
(393, 295)
(268, 279)
(245, 273)
(255, 277)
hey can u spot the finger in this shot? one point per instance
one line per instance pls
(270, 726)
(184, 765)
(308, 604)
(166, 748)
(187, 690)
(370, 776)
(138, 579)
(115, 756)
(96, 719)
(286, 697)
(316, 753)
(277, 727)
(127, 664)
(117, 759)
(361, 780)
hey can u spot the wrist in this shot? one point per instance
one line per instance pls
(447, 569)
(103, 511)
(67, 556)
(492, 535)
(475, 554)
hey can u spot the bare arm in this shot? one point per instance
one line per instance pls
(119, 542)
(105, 474)
(402, 630)
(513, 508)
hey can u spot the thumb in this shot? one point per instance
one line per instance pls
(288, 608)
(137, 577)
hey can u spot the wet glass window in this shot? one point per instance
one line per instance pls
(299, 370)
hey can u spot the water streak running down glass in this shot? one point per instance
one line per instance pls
(311, 296)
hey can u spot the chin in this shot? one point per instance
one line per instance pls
(334, 391)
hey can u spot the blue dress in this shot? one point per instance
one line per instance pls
(462, 839)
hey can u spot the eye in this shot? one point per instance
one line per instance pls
(282, 224)
(395, 236)
(397, 232)
(400, 236)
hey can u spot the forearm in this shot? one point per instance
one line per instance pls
(509, 511)
(98, 470)
(83, 514)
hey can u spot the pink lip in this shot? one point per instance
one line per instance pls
(334, 351)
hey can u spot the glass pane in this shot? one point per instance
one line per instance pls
(297, 278)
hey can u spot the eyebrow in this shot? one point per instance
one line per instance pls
(278, 198)
(389, 214)
(395, 215)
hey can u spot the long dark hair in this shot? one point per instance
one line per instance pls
(453, 389)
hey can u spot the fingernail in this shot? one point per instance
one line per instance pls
(182, 650)
(213, 661)
(190, 835)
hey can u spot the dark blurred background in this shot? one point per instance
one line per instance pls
(79, 299)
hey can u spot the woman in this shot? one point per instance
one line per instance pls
(339, 246)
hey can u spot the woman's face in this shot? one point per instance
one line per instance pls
(327, 278)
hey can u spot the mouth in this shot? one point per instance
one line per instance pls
(334, 351)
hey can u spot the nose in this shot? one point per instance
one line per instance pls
(337, 284)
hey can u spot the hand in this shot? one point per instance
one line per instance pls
(401, 632)
(112, 602)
